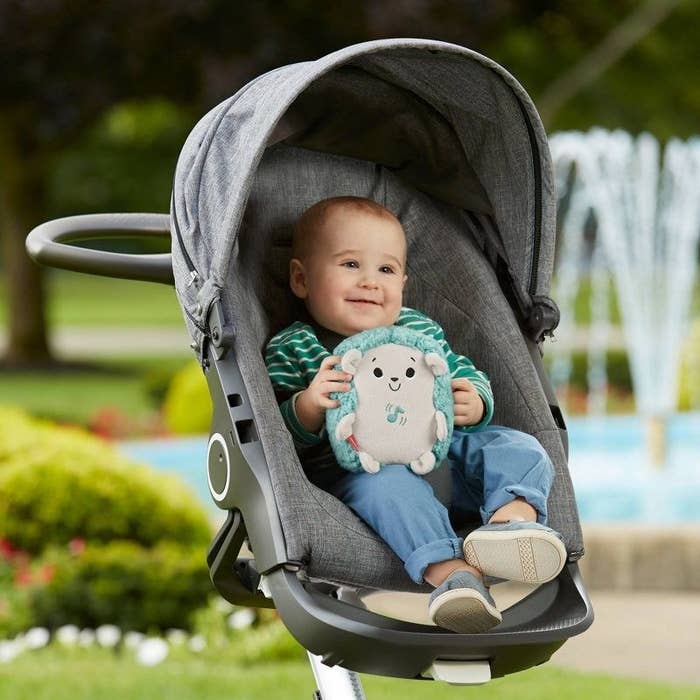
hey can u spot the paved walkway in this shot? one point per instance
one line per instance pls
(76, 342)
(650, 635)
(644, 635)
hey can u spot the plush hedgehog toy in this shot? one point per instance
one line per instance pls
(399, 409)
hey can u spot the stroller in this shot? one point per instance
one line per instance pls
(451, 143)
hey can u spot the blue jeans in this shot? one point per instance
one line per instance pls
(489, 468)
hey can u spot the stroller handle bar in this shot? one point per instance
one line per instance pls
(48, 244)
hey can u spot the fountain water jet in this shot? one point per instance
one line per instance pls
(648, 223)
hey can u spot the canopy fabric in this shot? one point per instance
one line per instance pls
(449, 121)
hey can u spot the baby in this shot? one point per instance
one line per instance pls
(349, 268)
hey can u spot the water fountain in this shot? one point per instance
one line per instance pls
(647, 215)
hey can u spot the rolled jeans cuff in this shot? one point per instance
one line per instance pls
(499, 498)
(432, 553)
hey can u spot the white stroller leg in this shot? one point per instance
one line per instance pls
(335, 682)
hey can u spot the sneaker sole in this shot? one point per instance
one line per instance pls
(463, 610)
(528, 556)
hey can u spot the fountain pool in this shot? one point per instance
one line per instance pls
(609, 463)
(615, 478)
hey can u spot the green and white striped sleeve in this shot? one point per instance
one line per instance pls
(460, 366)
(293, 358)
(287, 358)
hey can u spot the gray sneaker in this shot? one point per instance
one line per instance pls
(463, 604)
(518, 550)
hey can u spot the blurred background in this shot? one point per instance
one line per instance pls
(96, 100)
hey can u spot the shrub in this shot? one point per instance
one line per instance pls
(15, 573)
(157, 379)
(15, 611)
(57, 484)
(187, 407)
(265, 640)
(271, 642)
(125, 584)
(18, 433)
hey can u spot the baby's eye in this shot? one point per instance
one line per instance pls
(352, 264)
(378, 373)
(410, 372)
(387, 269)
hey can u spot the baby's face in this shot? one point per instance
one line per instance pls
(354, 278)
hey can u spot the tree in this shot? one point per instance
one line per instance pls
(594, 63)
(627, 65)
(64, 63)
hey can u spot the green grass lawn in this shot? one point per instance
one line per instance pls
(133, 386)
(88, 300)
(96, 674)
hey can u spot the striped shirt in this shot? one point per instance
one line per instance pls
(294, 356)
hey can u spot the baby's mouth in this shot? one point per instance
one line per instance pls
(364, 301)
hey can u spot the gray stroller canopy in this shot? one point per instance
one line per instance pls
(449, 121)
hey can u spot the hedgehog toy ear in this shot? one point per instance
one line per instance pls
(437, 365)
(350, 361)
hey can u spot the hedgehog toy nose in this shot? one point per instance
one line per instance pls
(394, 379)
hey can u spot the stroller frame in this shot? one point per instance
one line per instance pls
(329, 619)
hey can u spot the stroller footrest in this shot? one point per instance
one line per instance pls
(366, 642)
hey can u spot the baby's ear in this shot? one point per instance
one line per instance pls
(350, 361)
(297, 278)
(437, 365)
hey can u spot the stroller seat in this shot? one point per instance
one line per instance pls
(449, 142)
(448, 278)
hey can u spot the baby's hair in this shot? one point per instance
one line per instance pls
(317, 214)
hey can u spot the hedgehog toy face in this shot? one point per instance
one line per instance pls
(395, 374)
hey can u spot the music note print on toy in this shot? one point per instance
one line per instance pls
(394, 413)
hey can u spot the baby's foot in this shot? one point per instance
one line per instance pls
(463, 604)
(518, 550)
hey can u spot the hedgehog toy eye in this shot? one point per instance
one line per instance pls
(378, 372)
(410, 372)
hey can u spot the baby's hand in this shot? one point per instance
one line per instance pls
(469, 407)
(327, 381)
(311, 404)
